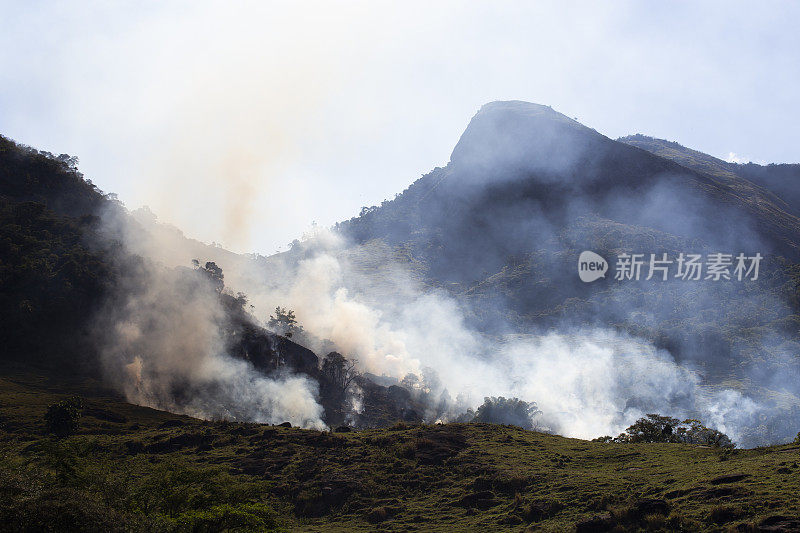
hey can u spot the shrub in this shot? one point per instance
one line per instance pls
(511, 411)
(407, 450)
(540, 510)
(61, 419)
(722, 514)
(379, 514)
(227, 517)
(657, 428)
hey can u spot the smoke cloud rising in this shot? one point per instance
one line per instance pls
(163, 338)
(587, 382)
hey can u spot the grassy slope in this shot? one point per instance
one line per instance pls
(744, 183)
(134, 468)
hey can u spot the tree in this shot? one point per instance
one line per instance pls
(429, 383)
(213, 272)
(693, 431)
(500, 410)
(61, 419)
(337, 375)
(339, 371)
(241, 300)
(411, 382)
(284, 323)
(657, 428)
(653, 428)
(70, 162)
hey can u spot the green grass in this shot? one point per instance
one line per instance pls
(131, 468)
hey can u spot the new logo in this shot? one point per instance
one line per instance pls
(591, 266)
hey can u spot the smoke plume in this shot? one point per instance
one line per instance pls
(586, 381)
(163, 345)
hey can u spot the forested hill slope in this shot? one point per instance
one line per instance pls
(68, 251)
(51, 278)
(30, 175)
(78, 272)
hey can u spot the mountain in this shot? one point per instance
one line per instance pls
(64, 256)
(50, 278)
(518, 162)
(527, 189)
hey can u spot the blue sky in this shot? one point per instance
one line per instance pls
(243, 123)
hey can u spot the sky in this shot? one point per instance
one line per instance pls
(245, 123)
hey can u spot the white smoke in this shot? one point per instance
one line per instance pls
(587, 382)
(742, 160)
(598, 382)
(163, 345)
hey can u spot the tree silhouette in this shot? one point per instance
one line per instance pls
(284, 323)
(213, 272)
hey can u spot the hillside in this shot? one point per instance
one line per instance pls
(131, 468)
(781, 180)
(77, 269)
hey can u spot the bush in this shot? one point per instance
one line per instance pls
(722, 514)
(58, 509)
(61, 419)
(511, 411)
(657, 428)
(541, 510)
(227, 517)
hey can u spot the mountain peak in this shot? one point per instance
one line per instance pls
(520, 137)
(517, 106)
